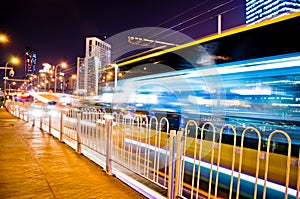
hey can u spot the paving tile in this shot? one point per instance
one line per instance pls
(34, 164)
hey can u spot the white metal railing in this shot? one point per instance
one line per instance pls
(192, 163)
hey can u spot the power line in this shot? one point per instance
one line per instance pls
(180, 14)
(194, 17)
(188, 20)
(204, 20)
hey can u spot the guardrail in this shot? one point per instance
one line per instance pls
(191, 163)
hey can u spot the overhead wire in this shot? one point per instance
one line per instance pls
(194, 17)
(174, 17)
(202, 21)
(182, 13)
(189, 20)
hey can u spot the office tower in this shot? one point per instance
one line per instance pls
(260, 10)
(89, 68)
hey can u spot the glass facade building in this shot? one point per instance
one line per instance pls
(260, 10)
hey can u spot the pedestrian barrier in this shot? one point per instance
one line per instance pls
(193, 162)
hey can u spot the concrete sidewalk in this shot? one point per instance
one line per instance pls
(34, 164)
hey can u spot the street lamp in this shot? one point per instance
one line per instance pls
(10, 87)
(63, 65)
(62, 83)
(13, 60)
(3, 38)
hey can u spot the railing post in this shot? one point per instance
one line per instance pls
(41, 122)
(27, 114)
(171, 143)
(78, 133)
(22, 113)
(178, 163)
(33, 121)
(108, 131)
(61, 126)
(50, 123)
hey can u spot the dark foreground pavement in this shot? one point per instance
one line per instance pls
(34, 164)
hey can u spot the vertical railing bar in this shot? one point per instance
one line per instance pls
(33, 119)
(61, 132)
(138, 142)
(178, 164)
(158, 153)
(131, 142)
(288, 163)
(155, 151)
(78, 138)
(118, 152)
(171, 148)
(108, 129)
(89, 129)
(41, 122)
(241, 160)
(199, 157)
(218, 163)
(149, 142)
(212, 154)
(233, 160)
(50, 123)
(194, 156)
(98, 123)
(124, 137)
(166, 159)
(145, 149)
(180, 189)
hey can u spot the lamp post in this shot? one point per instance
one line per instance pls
(62, 83)
(10, 87)
(13, 60)
(63, 65)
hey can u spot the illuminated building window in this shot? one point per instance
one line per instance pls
(260, 10)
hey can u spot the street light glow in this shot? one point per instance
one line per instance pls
(63, 65)
(49, 67)
(3, 38)
(14, 60)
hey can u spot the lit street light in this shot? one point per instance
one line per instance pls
(63, 65)
(13, 60)
(3, 38)
(62, 83)
(10, 87)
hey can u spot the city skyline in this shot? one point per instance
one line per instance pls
(57, 30)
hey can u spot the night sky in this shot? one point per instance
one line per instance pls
(57, 28)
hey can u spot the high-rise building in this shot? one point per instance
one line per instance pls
(30, 61)
(80, 87)
(89, 68)
(260, 10)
